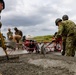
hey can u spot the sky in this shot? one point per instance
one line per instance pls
(36, 17)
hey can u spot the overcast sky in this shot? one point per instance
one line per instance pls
(36, 17)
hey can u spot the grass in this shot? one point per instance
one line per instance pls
(45, 38)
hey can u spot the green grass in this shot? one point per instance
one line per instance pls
(46, 38)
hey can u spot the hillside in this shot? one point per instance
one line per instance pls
(46, 38)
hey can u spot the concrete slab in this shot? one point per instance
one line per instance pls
(2, 53)
(12, 52)
(17, 52)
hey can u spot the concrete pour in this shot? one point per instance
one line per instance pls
(46, 63)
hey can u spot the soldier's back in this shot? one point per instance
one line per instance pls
(69, 27)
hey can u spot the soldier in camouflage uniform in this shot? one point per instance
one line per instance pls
(9, 34)
(2, 41)
(66, 29)
(64, 18)
(2, 6)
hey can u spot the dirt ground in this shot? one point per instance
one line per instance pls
(38, 64)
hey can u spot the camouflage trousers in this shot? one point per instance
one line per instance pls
(64, 45)
(70, 47)
(2, 41)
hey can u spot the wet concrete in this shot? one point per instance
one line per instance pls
(45, 63)
(37, 64)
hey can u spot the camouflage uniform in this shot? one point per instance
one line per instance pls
(10, 34)
(66, 30)
(2, 39)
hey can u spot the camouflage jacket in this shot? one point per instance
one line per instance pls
(9, 34)
(66, 28)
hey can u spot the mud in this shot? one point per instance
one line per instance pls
(37, 64)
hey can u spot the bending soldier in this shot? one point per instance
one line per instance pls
(66, 29)
(2, 41)
(2, 6)
(18, 35)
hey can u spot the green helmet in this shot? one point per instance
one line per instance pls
(1, 1)
(65, 17)
(57, 20)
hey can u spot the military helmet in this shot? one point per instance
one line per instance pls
(15, 28)
(9, 29)
(57, 20)
(1, 1)
(65, 17)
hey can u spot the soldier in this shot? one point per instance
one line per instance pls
(64, 18)
(9, 34)
(2, 6)
(18, 35)
(66, 29)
